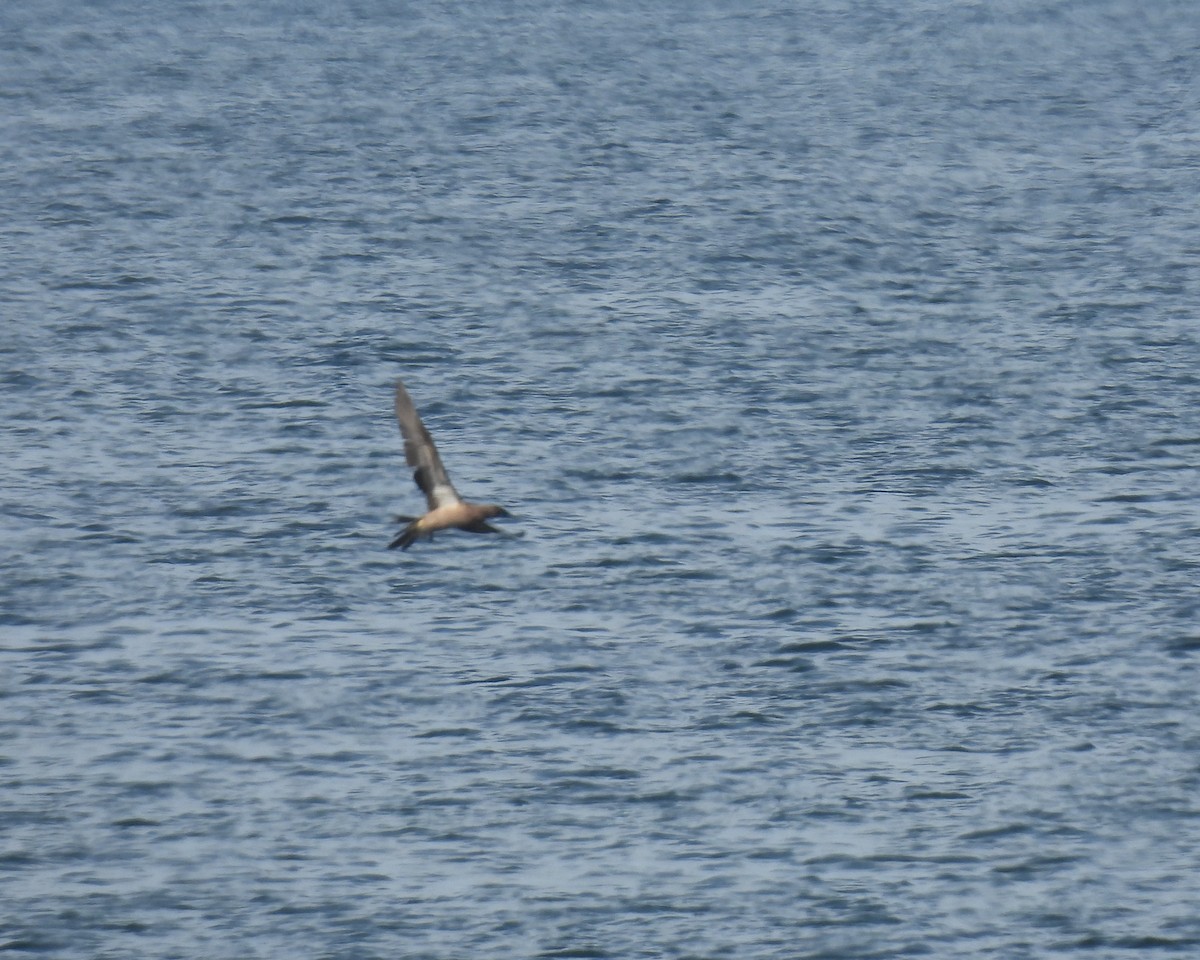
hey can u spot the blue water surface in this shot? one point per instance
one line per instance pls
(840, 361)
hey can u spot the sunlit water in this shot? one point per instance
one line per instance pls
(840, 363)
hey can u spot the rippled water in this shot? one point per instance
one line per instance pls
(839, 362)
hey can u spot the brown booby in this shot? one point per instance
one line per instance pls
(447, 509)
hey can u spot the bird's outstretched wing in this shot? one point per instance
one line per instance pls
(421, 453)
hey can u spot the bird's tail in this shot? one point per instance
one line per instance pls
(407, 536)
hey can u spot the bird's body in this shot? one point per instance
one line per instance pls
(447, 510)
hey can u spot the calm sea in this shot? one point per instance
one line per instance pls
(840, 361)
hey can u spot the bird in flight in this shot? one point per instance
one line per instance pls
(447, 510)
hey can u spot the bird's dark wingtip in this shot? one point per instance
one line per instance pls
(405, 539)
